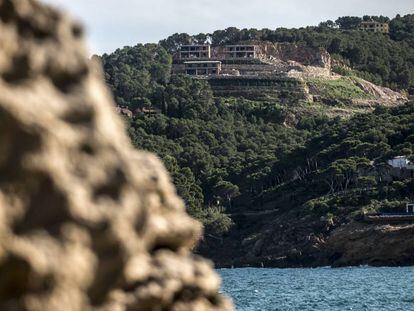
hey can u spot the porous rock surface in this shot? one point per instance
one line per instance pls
(86, 222)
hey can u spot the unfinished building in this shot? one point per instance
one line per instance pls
(195, 51)
(253, 68)
(240, 51)
(251, 58)
(373, 26)
(202, 68)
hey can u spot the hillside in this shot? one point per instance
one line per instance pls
(313, 213)
(386, 60)
(276, 179)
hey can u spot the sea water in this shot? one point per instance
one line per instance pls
(361, 288)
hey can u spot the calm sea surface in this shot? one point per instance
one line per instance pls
(389, 289)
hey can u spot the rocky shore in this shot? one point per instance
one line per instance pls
(308, 242)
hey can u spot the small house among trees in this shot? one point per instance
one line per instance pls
(401, 163)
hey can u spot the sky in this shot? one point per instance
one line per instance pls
(112, 24)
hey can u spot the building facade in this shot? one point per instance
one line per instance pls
(195, 51)
(240, 51)
(373, 26)
(401, 163)
(202, 68)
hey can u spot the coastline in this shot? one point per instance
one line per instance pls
(352, 244)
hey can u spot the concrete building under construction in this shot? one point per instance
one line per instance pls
(240, 51)
(195, 51)
(373, 26)
(202, 68)
(253, 69)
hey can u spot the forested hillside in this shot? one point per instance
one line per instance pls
(313, 214)
(233, 155)
(216, 149)
(350, 155)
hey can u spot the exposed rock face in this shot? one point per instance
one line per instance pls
(274, 239)
(86, 222)
(282, 239)
(382, 94)
(281, 53)
(375, 245)
(303, 55)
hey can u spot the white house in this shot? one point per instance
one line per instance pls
(410, 208)
(401, 163)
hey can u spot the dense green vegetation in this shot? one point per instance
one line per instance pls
(215, 148)
(343, 88)
(138, 75)
(228, 154)
(383, 59)
(344, 166)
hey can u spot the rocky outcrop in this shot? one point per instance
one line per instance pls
(382, 94)
(288, 52)
(281, 53)
(86, 222)
(282, 239)
(375, 245)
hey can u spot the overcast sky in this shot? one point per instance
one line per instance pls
(112, 24)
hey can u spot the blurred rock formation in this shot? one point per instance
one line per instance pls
(86, 222)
